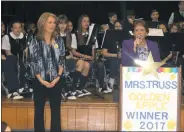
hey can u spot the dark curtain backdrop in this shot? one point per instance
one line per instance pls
(97, 10)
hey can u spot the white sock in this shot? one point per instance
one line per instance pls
(111, 81)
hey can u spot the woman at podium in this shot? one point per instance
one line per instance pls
(139, 47)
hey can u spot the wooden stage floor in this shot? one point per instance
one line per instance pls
(86, 113)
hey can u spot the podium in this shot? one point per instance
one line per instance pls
(149, 103)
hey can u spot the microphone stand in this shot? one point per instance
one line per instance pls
(175, 55)
(96, 93)
(65, 74)
(25, 63)
(174, 59)
(18, 67)
(118, 50)
(118, 53)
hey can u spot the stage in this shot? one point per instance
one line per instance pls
(87, 113)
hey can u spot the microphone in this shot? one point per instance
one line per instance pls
(139, 36)
(137, 45)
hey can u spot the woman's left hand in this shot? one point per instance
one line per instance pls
(69, 57)
(54, 82)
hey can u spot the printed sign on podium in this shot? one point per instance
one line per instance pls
(149, 103)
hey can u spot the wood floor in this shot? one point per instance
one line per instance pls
(87, 113)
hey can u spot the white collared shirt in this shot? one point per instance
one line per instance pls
(111, 23)
(171, 19)
(74, 41)
(6, 42)
(86, 33)
(62, 34)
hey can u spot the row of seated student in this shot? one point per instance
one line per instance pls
(83, 66)
(15, 43)
(79, 56)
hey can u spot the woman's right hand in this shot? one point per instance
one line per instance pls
(137, 42)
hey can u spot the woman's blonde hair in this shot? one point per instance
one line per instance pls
(41, 24)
